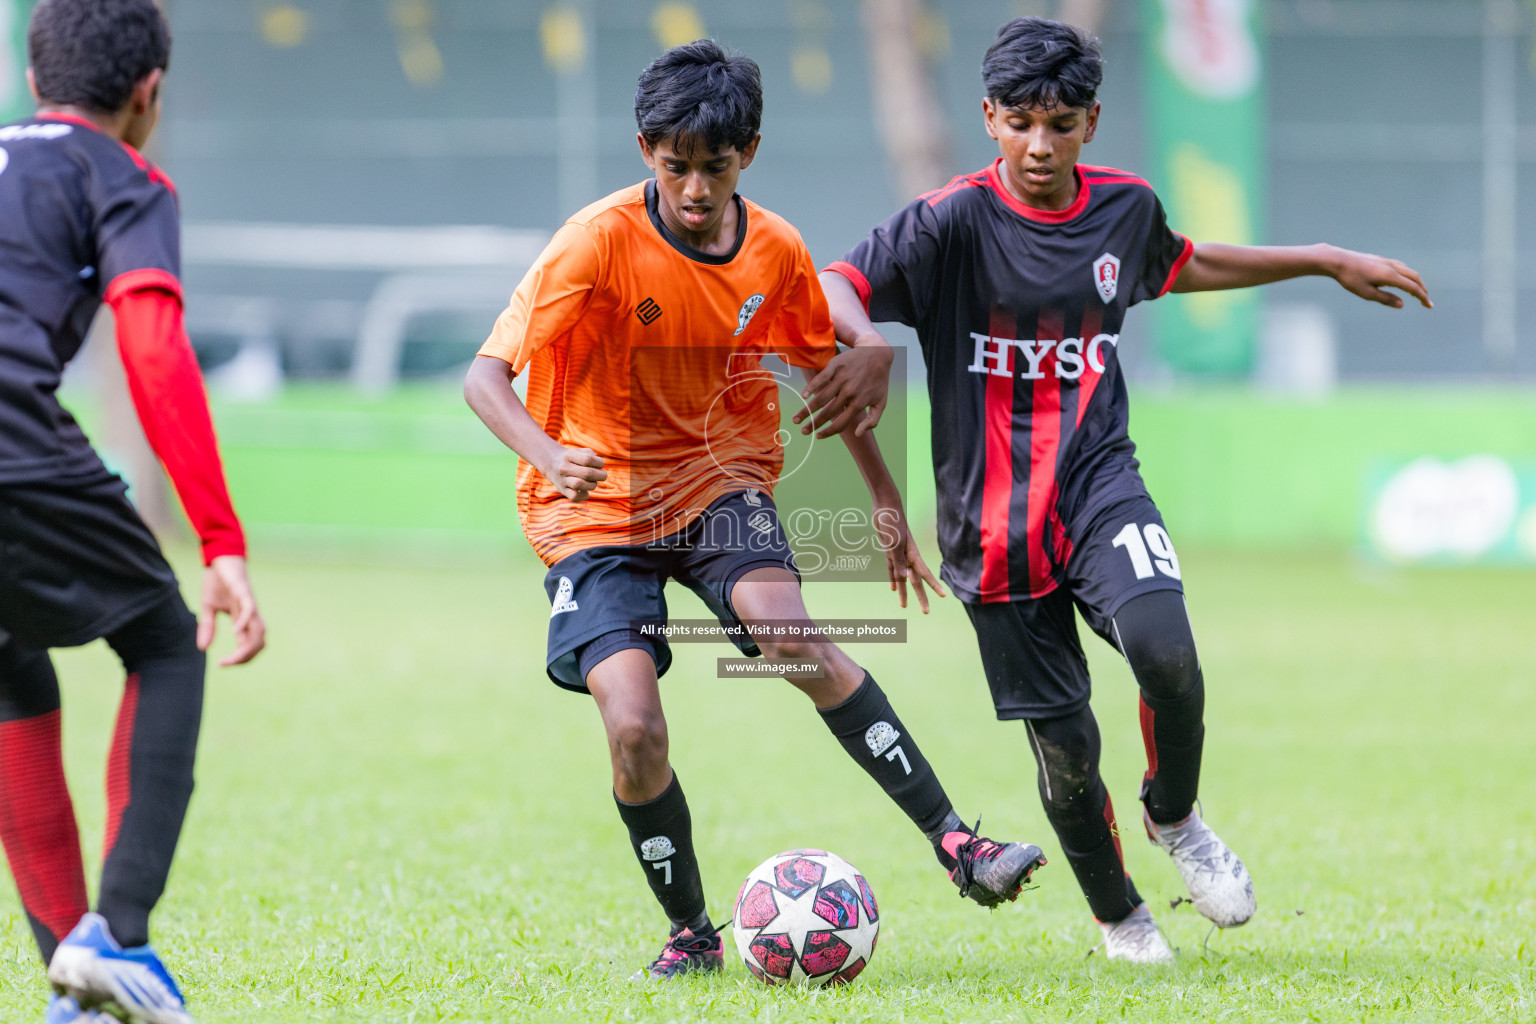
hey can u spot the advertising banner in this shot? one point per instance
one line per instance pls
(14, 100)
(1205, 117)
(1479, 510)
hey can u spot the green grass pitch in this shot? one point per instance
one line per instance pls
(398, 819)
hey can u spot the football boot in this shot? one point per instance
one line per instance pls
(130, 984)
(990, 872)
(1135, 939)
(685, 953)
(1218, 883)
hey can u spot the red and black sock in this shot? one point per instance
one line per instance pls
(661, 832)
(1154, 635)
(867, 727)
(1078, 807)
(149, 768)
(37, 819)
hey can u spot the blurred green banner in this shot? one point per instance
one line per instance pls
(14, 99)
(1205, 112)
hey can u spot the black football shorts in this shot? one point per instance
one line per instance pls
(1030, 650)
(601, 598)
(76, 562)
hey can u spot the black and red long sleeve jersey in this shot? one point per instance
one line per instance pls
(85, 219)
(1018, 313)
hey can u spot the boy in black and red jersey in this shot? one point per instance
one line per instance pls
(85, 219)
(1017, 279)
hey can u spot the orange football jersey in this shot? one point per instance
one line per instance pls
(649, 352)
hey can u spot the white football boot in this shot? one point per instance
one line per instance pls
(131, 985)
(1136, 939)
(1218, 883)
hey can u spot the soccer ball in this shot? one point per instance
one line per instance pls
(806, 916)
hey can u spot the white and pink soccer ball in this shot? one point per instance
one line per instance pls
(806, 917)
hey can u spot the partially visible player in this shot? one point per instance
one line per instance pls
(85, 219)
(649, 452)
(1017, 279)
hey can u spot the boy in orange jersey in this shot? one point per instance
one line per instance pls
(644, 458)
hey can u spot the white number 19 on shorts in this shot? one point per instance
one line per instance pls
(1161, 556)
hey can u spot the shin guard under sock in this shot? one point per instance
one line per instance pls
(876, 739)
(661, 832)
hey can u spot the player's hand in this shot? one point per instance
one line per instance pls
(903, 561)
(1367, 275)
(575, 472)
(227, 589)
(854, 385)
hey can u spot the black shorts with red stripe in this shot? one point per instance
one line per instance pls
(1030, 650)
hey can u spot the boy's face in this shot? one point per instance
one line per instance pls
(1040, 147)
(694, 185)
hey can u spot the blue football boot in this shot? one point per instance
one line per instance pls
(131, 984)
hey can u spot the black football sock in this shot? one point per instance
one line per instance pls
(661, 832)
(1078, 807)
(149, 768)
(1155, 637)
(874, 737)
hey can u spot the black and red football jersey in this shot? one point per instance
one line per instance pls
(82, 217)
(1018, 312)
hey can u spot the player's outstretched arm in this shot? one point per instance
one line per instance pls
(1216, 266)
(903, 561)
(488, 390)
(167, 391)
(852, 389)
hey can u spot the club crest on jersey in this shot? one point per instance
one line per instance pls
(748, 308)
(1106, 276)
(563, 601)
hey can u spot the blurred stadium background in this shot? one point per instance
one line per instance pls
(364, 181)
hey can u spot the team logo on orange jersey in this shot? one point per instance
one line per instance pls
(1106, 276)
(744, 316)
